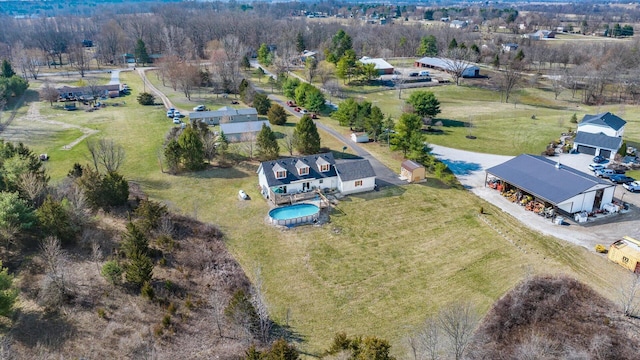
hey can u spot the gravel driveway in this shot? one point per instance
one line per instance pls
(469, 167)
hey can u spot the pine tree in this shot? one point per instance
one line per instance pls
(300, 46)
(134, 241)
(261, 103)
(192, 149)
(141, 54)
(263, 55)
(268, 148)
(139, 269)
(277, 115)
(8, 293)
(7, 69)
(307, 139)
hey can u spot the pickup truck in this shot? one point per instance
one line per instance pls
(632, 186)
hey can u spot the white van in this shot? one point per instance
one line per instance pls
(424, 73)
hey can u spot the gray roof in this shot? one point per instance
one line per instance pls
(289, 164)
(242, 127)
(598, 140)
(604, 119)
(223, 111)
(380, 64)
(540, 177)
(355, 170)
(444, 64)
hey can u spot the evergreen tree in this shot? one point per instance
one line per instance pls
(314, 99)
(245, 62)
(55, 221)
(424, 103)
(134, 241)
(519, 55)
(114, 190)
(7, 69)
(340, 43)
(373, 122)
(264, 57)
(277, 115)
(139, 269)
(267, 144)
(262, 103)
(406, 129)
(300, 46)
(15, 214)
(307, 138)
(172, 155)
(428, 46)
(146, 98)
(140, 52)
(289, 87)
(496, 62)
(453, 44)
(192, 150)
(8, 293)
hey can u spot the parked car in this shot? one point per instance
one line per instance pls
(177, 114)
(199, 108)
(297, 109)
(242, 195)
(413, 74)
(632, 186)
(304, 111)
(315, 116)
(621, 179)
(170, 112)
(594, 167)
(176, 120)
(599, 159)
(424, 73)
(291, 103)
(604, 173)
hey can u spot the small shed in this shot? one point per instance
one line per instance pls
(360, 137)
(626, 252)
(412, 171)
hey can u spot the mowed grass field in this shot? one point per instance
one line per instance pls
(385, 261)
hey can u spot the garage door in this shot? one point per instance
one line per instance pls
(586, 150)
(605, 153)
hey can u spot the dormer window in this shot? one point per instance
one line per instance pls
(279, 171)
(303, 169)
(323, 165)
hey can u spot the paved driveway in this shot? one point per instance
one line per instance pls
(469, 167)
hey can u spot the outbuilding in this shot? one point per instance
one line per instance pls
(360, 137)
(626, 252)
(412, 171)
(448, 65)
(242, 131)
(562, 187)
(381, 65)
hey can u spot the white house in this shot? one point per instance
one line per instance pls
(458, 24)
(355, 176)
(605, 123)
(566, 189)
(242, 131)
(290, 176)
(224, 114)
(599, 134)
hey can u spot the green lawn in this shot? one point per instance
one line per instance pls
(385, 261)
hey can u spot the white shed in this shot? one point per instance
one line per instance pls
(360, 137)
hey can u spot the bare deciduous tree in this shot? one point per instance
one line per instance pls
(289, 141)
(259, 303)
(457, 322)
(629, 295)
(457, 61)
(54, 287)
(510, 77)
(49, 93)
(106, 153)
(33, 186)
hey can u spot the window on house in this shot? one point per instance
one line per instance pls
(321, 181)
(281, 174)
(324, 167)
(358, 182)
(303, 170)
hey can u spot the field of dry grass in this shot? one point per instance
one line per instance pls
(385, 261)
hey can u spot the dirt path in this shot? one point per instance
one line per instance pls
(165, 100)
(33, 115)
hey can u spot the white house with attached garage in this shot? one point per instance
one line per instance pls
(599, 134)
(284, 177)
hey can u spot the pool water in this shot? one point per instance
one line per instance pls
(293, 211)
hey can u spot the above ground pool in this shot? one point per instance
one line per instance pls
(294, 214)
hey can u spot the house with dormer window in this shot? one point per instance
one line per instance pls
(291, 176)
